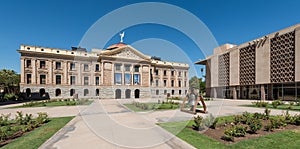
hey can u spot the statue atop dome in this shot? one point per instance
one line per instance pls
(122, 36)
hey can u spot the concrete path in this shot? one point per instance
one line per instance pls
(108, 124)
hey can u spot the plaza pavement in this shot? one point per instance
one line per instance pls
(108, 124)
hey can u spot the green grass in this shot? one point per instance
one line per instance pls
(280, 107)
(285, 139)
(152, 106)
(38, 136)
(53, 103)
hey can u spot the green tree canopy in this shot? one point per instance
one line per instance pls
(9, 79)
(196, 82)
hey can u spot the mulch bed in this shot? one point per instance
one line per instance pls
(219, 132)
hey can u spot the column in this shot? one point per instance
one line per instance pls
(34, 69)
(22, 70)
(234, 93)
(270, 91)
(50, 73)
(65, 70)
(262, 92)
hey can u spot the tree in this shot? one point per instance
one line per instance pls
(9, 80)
(196, 82)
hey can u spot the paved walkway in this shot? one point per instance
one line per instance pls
(108, 124)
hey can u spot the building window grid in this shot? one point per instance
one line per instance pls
(43, 79)
(97, 80)
(72, 66)
(72, 80)
(85, 67)
(42, 64)
(97, 67)
(28, 78)
(28, 63)
(58, 79)
(57, 65)
(85, 80)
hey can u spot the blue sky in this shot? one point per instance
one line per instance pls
(63, 23)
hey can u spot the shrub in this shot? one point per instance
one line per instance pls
(246, 117)
(277, 122)
(236, 131)
(297, 102)
(276, 103)
(4, 119)
(214, 124)
(268, 127)
(288, 118)
(238, 119)
(198, 122)
(261, 104)
(19, 118)
(257, 115)
(10, 97)
(267, 113)
(296, 119)
(227, 138)
(28, 119)
(42, 118)
(254, 125)
(5, 131)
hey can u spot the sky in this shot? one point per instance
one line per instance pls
(65, 23)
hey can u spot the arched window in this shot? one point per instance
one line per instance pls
(72, 92)
(173, 92)
(157, 92)
(28, 92)
(57, 92)
(118, 94)
(127, 93)
(179, 92)
(85, 92)
(97, 92)
(42, 92)
(137, 93)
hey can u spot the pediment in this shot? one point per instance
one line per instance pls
(127, 53)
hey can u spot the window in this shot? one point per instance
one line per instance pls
(165, 72)
(42, 64)
(97, 80)
(179, 92)
(118, 67)
(85, 67)
(28, 80)
(58, 65)
(57, 92)
(156, 82)
(136, 68)
(184, 74)
(172, 73)
(85, 92)
(72, 80)
(97, 67)
(156, 72)
(72, 66)
(165, 92)
(157, 92)
(179, 83)
(179, 74)
(173, 92)
(127, 78)
(127, 67)
(172, 83)
(165, 83)
(136, 79)
(42, 79)
(72, 92)
(184, 83)
(58, 79)
(97, 92)
(118, 78)
(28, 63)
(86, 80)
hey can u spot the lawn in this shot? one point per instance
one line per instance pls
(280, 107)
(142, 107)
(283, 139)
(38, 136)
(50, 103)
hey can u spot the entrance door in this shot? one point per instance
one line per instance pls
(118, 94)
(137, 93)
(127, 93)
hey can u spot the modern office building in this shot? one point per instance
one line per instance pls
(120, 71)
(264, 68)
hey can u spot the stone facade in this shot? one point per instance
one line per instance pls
(264, 68)
(120, 71)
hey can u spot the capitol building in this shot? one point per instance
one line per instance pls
(118, 72)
